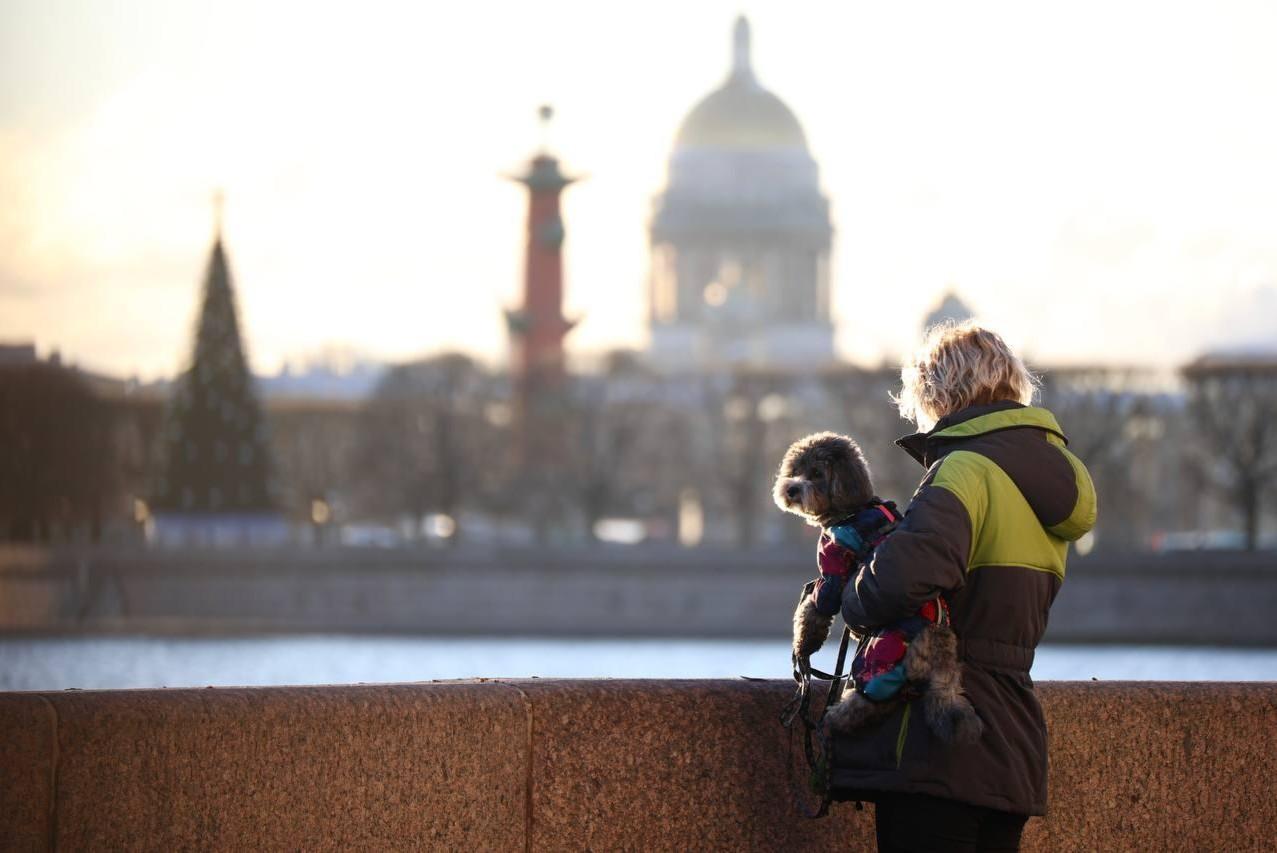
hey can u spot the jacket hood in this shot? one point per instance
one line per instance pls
(1052, 480)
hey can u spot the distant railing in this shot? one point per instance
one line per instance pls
(1181, 598)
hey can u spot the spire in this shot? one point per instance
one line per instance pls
(740, 49)
(219, 202)
(545, 113)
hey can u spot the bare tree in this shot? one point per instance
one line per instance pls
(740, 426)
(620, 427)
(1233, 401)
(1122, 424)
(424, 443)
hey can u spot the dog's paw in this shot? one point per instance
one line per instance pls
(854, 711)
(838, 718)
(955, 722)
(967, 725)
(811, 629)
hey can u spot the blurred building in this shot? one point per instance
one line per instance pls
(950, 309)
(333, 374)
(17, 353)
(740, 237)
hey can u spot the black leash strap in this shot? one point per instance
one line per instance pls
(796, 710)
(836, 681)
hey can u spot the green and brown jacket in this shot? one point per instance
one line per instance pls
(988, 528)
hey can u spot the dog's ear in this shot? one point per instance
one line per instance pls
(849, 482)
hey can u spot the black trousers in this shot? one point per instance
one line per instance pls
(918, 823)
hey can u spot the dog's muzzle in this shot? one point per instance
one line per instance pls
(794, 495)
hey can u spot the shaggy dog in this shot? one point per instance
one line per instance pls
(824, 479)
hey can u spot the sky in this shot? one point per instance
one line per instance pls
(1097, 180)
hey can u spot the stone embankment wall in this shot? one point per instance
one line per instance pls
(1187, 598)
(579, 765)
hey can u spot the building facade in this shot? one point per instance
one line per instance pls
(740, 236)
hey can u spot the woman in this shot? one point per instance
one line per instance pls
(988, 528)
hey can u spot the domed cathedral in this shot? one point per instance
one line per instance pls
(740, 237)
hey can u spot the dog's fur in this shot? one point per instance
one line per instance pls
(824, 479)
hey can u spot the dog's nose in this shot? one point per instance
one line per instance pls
(793, 492)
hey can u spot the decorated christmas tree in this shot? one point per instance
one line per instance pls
(216, 451)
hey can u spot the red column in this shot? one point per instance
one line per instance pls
(538, 327)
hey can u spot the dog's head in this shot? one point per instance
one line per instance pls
(823, 478)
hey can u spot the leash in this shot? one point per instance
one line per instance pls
(796, 710)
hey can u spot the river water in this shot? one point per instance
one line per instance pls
(54, 663)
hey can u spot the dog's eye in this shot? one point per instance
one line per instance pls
(817, 475)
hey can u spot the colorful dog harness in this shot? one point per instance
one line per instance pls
(861, 534)
(845, 546)
(878, 669)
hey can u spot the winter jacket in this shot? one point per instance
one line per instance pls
(988, 528)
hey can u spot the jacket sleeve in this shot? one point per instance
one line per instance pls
(924, 557)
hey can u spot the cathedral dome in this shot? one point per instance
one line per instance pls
(740, 236)
(741, 113)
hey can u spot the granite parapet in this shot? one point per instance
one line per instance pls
(548, 764)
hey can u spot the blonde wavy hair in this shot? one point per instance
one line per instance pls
(961, 365)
